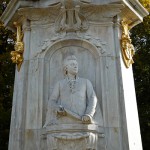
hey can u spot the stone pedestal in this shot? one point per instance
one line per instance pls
(91, 30)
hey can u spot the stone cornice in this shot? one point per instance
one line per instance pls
(138, 7)
(11, 11)
(132, 11)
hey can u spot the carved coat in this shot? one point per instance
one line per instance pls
(81, 100)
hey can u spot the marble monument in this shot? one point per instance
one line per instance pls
(74, 86)
(73, 104)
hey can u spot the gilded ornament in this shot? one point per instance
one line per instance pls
(126, 44)
(17, 55)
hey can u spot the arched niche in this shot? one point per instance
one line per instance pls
(88, 57)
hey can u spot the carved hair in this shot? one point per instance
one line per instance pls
(65, 64)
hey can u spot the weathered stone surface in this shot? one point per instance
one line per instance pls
(90, 30)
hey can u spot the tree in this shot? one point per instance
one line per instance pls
(6, 82)
(140, 35)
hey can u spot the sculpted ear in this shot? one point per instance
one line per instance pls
(65, 70)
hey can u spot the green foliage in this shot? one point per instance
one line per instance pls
(6, 83)
(141, 40)
(146, 4)
(1, 1)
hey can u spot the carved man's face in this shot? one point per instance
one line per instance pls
(72, 67)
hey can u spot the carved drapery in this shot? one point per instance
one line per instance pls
(126, 44)
(17, 55)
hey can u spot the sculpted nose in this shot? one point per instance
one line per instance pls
(76, 66)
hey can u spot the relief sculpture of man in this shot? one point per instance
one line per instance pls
(73, 104)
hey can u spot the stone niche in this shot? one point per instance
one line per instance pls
(88, 57)
(91, 30)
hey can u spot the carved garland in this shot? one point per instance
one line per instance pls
(96, 42)
(17, 55)
(126, 44)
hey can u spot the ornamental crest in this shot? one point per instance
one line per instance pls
(17, 55)
(70, 19)
(126, 44)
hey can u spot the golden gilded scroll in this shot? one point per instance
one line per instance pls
(17, 55)
(126, 45)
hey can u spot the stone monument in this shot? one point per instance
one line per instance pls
(74, 86)
(72, 111)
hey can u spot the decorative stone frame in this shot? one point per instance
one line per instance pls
(51, 49)
(96, 55)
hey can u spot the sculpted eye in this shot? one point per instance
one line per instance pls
(73, 64)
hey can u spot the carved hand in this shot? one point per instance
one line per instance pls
(61, 111)
(86, 119)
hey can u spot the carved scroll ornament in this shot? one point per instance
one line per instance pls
(126, 44)
(17, 55)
